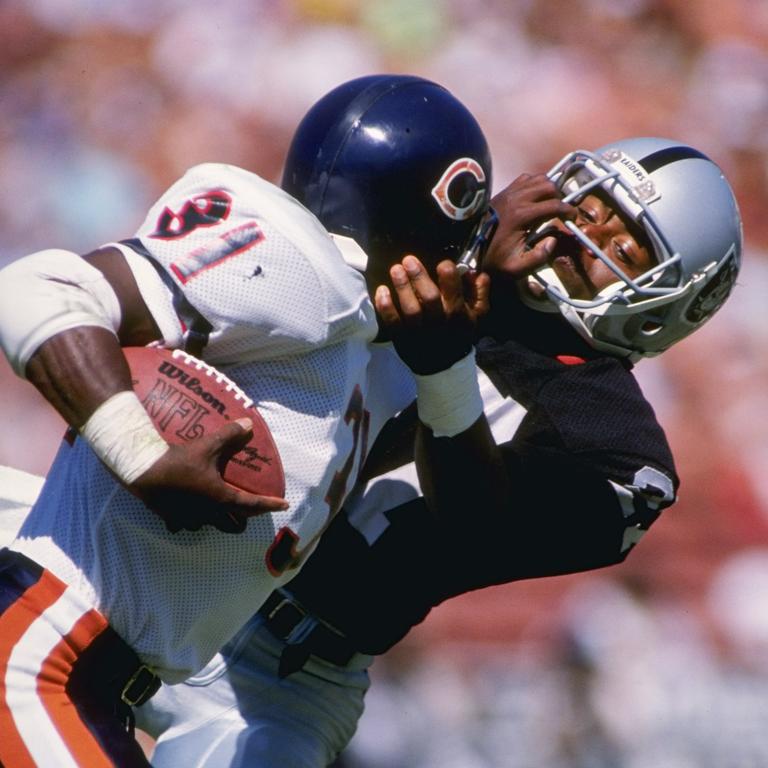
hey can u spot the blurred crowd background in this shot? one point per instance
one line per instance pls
(659, 663)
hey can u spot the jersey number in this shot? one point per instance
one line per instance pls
(282, 553)
(205, 210)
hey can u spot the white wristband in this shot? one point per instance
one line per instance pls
(449, 402)
(123, 436)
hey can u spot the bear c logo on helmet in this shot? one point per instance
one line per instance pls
(464, 179)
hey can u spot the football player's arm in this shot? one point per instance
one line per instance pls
(620, 478)
(462, 473)
(590, 464)
(564, 517)
(63, 321)
(80, 312)
(432, 326)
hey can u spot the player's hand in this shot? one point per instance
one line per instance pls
(524, 205)
(432, 325)
(185, 488)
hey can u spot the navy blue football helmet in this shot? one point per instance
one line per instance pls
(399, 165)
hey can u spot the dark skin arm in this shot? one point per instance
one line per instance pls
(78, 369)
(432, 326)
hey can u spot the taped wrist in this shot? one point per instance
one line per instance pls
(123, 436)
(46, 293)
(449, 402)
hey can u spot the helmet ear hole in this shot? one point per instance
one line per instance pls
(650, 327)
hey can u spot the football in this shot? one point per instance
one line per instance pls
(187, 398)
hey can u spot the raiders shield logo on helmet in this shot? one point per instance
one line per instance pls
(713, 296)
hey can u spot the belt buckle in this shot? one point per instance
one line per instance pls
(285, 616)
(132, 701)
(284, 602)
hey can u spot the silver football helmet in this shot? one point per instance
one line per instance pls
(687, 209)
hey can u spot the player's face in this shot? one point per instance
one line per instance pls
(618, 237)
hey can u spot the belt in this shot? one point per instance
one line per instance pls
(109, 677)
(109, 670)
(282, 614)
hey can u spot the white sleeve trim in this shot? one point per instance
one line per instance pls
(46, 293)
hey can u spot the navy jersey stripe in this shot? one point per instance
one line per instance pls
(17, 575)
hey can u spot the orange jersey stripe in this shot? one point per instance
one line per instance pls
(51, 681)
(14, 622)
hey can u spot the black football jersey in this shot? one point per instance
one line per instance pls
(590, 469)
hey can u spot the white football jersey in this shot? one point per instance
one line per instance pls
(248, 279)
